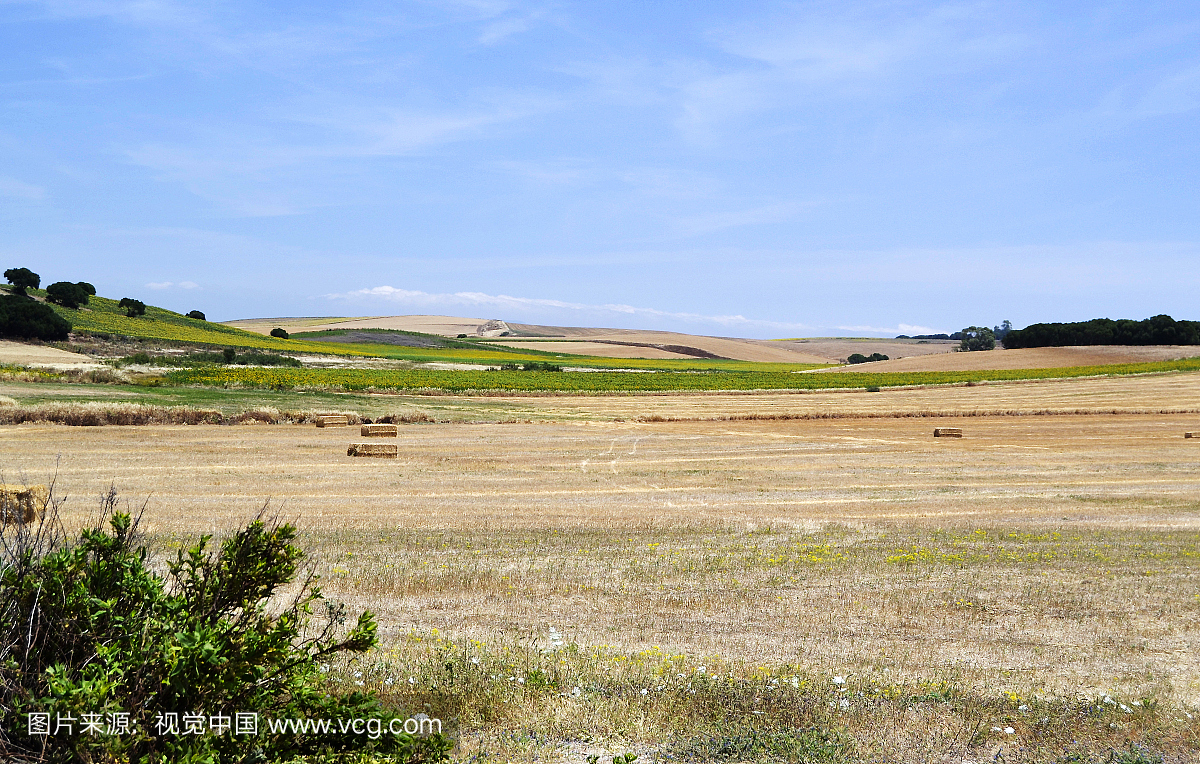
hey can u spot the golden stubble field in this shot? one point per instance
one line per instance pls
(1053, 553)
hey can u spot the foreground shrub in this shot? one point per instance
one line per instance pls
(92, 633)
(280, 333)
(29, 319)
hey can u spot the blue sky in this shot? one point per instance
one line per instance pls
(759, 169)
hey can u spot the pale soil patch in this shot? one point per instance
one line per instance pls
(837, 349)
(21, 354)
(725, 347)
(449, 326)
(1157, 392)
(1035, 358)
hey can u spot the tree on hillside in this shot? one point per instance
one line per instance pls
(133, 308)
(66, 294)
(91, 290)
(22, 279)
(196, 315)
(280, 333)
(977, 338)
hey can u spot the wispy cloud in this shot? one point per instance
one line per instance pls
(15, 189)
(474, 300)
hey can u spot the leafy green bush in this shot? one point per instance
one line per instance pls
(30, 319)
(66, 294)
(133, 308)
(201, 359)
(22, 279)
(196, 315)
(91, 632)
(280, 333)
(860, 358)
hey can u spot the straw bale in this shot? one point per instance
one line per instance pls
(947, 432)
(1189, 435)
(22, 503)
(379, 450)
(332, 420)
(379, 431)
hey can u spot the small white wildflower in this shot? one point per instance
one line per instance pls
(1136, 703)
(412, 680)
(644, 691)
(359, 683)
(701, 669)
(577, 692)
(324, 667)
(839, 680)
(661, 687)
(1009, 730)
(521, 680)
(996, 729)
(1126, 708)
(844, 704)
(475, 661)
(795, 681)
(389, 681)
(1022, 707)
(1109, 700)
(358, 675)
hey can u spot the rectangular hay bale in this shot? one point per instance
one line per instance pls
(947, 432)
(22, 503)
(1189, 435)
(379, 431)
(379, 450)
(333, 420)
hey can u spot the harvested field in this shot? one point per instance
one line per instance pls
(25, 354)
(1053, 557)
(1035, 358)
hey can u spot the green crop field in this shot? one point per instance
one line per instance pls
(596, 382)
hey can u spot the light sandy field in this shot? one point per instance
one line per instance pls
(23, 354)
(837, 349)
(1035, 358)
(448, 326)
(1045, 555)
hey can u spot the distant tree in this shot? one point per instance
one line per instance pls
(1158, 330)
(1002, 330)
(280, 333)
(91, 290)
(22, 279)
(860, 358)
(229, 354)
(30, 319)
(133, 308)
(196, 315)
(977, 338)
(66, 294)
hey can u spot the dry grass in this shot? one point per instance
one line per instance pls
(1034, 358)
(1039, 561)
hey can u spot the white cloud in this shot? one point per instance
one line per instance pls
(159, 285)
(188, 285)
(15, 189)
(427, 301)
